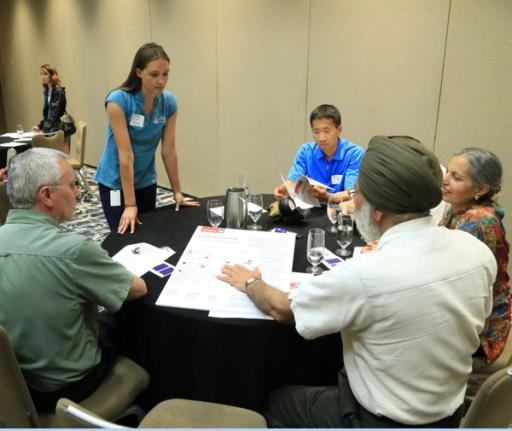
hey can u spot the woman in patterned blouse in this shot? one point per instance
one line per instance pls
(469, 185)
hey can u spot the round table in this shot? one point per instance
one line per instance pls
(18, 149)
(231, 361)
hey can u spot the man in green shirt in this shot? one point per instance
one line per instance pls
(51, 282)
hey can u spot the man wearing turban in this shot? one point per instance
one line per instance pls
(410, 313)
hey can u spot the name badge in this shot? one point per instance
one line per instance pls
(137, 120)
(115, 198)
(336, 179)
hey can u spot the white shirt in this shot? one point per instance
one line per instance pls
(410, 314)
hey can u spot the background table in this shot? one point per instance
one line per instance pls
(232, 361)
(19, 149)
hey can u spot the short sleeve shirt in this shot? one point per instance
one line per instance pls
(339, 173)
(145, 132)
(50, 284)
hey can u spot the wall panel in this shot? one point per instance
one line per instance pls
(380, 62)
(262, 63)
(187, 30)
(476, 97)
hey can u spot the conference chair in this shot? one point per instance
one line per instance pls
(482, 370)
(55, 141)
(78, 161)
(5, 203)
(491, 407)
(502, 361)
(114, 396)
(176, 413)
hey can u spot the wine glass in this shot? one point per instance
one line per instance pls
(333, 208)
(345, 234)
(315, 250)
(254, 209)
(215, 212)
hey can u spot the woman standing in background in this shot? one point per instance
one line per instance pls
(469, 185)
(54, 101)
(140, 114)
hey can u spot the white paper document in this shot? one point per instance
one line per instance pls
(194, 283)
(12, 144)
(318, 183)
(141, 257)
(299, 193)
(15, 135)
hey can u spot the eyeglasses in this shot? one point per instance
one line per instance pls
(75, 184)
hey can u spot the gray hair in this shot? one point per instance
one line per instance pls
(28, 171)
(485, 169)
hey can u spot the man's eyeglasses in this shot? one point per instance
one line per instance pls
(75, 184)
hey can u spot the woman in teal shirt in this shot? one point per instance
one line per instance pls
(140, 114)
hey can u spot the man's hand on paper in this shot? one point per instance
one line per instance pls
(280, 191)
(319, 191)
(236, 275)
(371, 246)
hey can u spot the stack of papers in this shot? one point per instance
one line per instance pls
(141, 257)
(194, 284)
(299, 193)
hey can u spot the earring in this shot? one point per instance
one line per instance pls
(476, 197)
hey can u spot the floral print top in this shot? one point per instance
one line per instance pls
(484, 220)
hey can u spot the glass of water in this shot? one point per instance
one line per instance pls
(333, 208)
(315, 250)
(19, 129)
(345, 234)
(215, 212)
(254, 209)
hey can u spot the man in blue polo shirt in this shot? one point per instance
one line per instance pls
(329, 159)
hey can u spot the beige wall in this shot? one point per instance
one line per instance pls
(476, 103)
(247, 73)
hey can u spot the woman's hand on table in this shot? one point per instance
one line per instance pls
(128, 220)
(236, 275)
(180, 200)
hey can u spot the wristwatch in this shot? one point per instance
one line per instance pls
(250, 281)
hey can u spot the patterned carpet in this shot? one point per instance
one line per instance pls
(89, 219)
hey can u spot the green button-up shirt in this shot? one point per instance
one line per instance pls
(51, 282)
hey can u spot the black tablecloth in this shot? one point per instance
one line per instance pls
(232, 361)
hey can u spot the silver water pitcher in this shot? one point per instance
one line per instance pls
(235, 209)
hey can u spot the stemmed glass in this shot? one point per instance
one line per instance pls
(345, 234)
(254, 209)
(215, 212)
(333, 208)
(316, 250)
